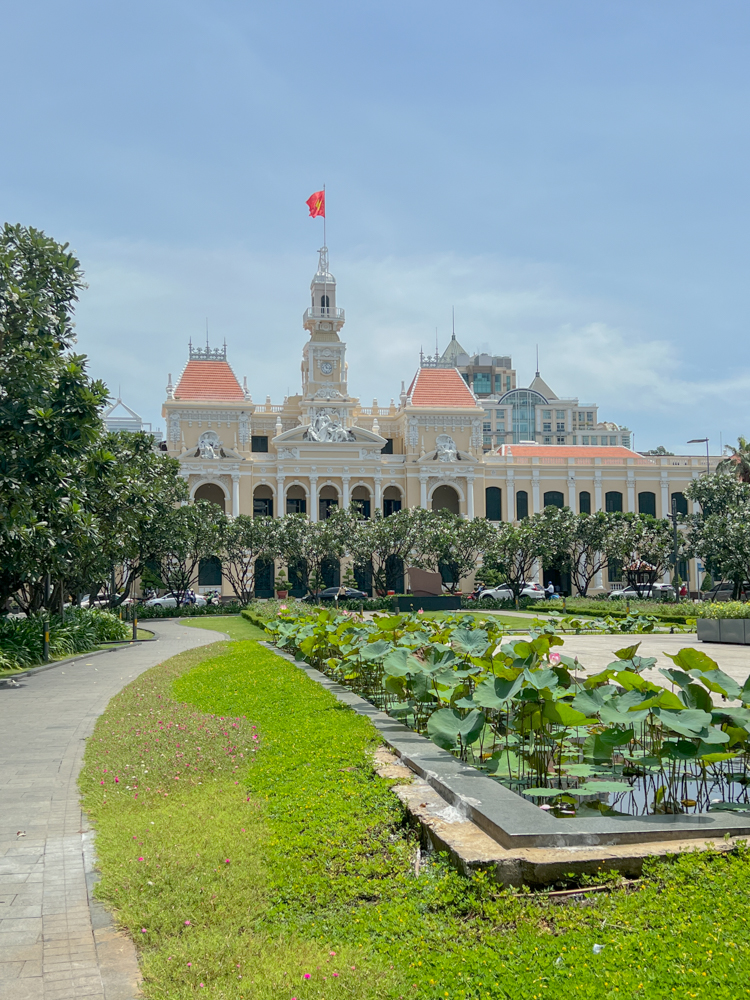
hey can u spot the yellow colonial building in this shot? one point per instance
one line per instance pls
(428, 448)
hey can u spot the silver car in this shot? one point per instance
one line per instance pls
(503, 593)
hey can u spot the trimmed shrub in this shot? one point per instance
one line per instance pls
(723, 609)
(143, 611)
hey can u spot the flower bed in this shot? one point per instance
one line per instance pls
(723, 609)
(614, 743)
(22, 639)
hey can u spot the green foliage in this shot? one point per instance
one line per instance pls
(523, 703)
(22, 639)
(321, 862)
(144, 611)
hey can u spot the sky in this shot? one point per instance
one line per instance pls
(570, 174)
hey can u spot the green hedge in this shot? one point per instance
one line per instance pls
(143, 611)
(22, 639)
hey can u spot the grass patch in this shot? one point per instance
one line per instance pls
(244, 865)
(235, 626)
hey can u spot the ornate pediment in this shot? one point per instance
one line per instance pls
(209, 448)
(326, 428)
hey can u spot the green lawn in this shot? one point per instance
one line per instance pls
(235, 626)
(249, 848)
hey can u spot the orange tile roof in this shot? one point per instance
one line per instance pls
(208, 380)
(440, 387)
(566, 451)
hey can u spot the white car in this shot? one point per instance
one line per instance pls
(170, 601)
(659, 592)
(503, 593)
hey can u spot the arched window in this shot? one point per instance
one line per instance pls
(263, 501)
(493, 503)
(361, 499)
(391, 500)
(330, 570)
(209, 572)
(647, 503)
(394, 574)
(296, 500)
(328, 499)
(554, 499)
(584, 502)
(613, 501)
(682, 506)
(211, 492)
(445, 498)
(324, 303)
(263, 578)
(522, 505)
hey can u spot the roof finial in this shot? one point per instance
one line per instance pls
(537, 360)
(453, 337)
(206, 332)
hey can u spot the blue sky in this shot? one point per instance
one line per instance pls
(563, 172)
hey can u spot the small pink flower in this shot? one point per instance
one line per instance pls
(226, 861)
(336, 975)
(200, 984)
(117, 781)
(143, 930)
(189, 964)
(187, 923)
(101, 782)
(307, 975)
(554, 659)
(140, 859)
(331, 952)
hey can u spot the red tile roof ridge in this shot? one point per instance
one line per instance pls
(209, 380)
(440, 387)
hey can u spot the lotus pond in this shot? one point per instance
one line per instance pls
(528, 715)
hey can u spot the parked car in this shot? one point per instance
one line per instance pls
(170, 601)
(658, 592)
(724, 591)
(503, 593)
(331, 593)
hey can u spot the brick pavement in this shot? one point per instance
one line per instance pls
(56, 941)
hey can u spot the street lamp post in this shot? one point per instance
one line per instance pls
(703, 441)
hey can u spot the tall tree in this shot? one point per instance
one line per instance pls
(383, 542)
(594, 540)
(716, 530)
(187, 536)
(244, 541)
(49, 410)
(453, 543)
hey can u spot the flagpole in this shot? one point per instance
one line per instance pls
(324, 216)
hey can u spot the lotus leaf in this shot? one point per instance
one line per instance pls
(719, 682)
(693, 659)
(628, 653)
(729, 807)
(563, 714)
(375, 650)
(597, 787)
(600, 746)
(445, 726)
(400, 662)
(470, 642)
(688, 722)
(545, 793)
(495, 692)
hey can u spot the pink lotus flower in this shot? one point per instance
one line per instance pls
(554, 659)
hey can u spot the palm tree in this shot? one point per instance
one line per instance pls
(738, 461)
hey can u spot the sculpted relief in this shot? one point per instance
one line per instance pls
(327, 426)
(446, 450)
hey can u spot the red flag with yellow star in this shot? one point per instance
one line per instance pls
(317, 204)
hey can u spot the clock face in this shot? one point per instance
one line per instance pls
(326, 367)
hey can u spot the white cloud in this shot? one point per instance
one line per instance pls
(145, 301)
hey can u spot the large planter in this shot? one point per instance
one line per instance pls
(444, 602)
(732, 631)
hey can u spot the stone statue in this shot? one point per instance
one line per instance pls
(446, 450)
(326, 428)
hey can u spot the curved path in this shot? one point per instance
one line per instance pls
(56, 941)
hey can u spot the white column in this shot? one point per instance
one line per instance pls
(666, 509)
(536, 505)
(598, 581)
(235, 494)
(313, 498)
(631, 496)
(470, 497)
(378, 494)
(280, 498)
(345, 495)
(423, 491)
(572, 490)
(510, 501)
(598, 492)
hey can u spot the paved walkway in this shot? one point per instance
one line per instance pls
(56, 942)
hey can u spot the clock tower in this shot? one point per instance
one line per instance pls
(324, 372)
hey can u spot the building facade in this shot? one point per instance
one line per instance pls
(428, 448)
